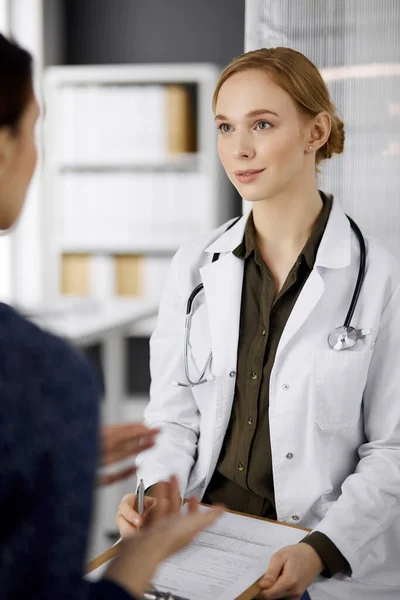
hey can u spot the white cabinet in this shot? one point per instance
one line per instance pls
(131, 168)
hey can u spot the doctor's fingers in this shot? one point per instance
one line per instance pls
(287, 586)
(127, 516)
(125, 528)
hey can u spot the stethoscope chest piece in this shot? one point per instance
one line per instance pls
(343, 338)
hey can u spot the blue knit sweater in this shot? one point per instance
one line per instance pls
(48, 457)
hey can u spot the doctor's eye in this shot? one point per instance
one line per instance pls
(224, 128)
(263, 125)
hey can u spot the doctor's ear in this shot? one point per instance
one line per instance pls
(8, 143)
(320, 130)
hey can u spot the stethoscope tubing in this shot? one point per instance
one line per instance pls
(189, 305)
(361, 273)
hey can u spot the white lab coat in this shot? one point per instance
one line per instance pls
(337, 413)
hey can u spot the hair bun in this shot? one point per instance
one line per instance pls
(335, 142)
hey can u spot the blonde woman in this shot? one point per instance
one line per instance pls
(266, 405)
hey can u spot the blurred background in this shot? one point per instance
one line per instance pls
(128, 167)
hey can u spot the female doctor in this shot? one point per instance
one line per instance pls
(281, 395)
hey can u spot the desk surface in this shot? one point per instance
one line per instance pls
(87, 321)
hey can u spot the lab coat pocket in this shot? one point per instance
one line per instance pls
(340, 378)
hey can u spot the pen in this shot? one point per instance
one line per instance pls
(140, 498)
(140, 503)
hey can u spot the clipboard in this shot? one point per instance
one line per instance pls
(249, 594)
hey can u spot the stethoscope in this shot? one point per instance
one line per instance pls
(341, 338)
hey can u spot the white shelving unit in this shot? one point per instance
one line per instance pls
(164, 198)
(110, 202)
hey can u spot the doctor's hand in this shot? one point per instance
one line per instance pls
(123, 441)
(164, 501)
(291, 571)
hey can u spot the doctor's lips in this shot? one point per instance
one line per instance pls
(248, 176)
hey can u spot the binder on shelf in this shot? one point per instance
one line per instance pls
(180, 120)
(75, 274)
(129, 275)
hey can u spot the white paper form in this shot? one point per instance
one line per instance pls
(224, 560)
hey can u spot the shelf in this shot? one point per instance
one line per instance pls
(180, 162)
(118, 191)
(151, 248)
(196, 73)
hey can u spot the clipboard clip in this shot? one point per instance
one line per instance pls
(156, 595)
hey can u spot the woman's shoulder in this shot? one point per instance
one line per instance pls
(27, 351)
(21, 334)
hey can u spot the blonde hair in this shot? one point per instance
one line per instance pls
(300, 78)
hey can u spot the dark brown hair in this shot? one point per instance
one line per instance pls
(300, 78)
(15, 82)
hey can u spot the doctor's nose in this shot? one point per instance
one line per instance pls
(243, 151)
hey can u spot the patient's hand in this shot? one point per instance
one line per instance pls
(123, 441)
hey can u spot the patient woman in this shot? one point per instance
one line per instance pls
(48, 423)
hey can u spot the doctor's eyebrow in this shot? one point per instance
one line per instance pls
(253, 113)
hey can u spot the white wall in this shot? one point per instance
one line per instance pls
(356, 45)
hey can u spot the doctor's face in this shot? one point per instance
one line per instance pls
(262, 136)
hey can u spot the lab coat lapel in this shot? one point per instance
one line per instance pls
(223, 281)
(308, 299)
(334, 253)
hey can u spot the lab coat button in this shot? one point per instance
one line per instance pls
(254, 375)
(232, 374)
(295, 518)
(203, 484)
(289, 455)
(285, 386)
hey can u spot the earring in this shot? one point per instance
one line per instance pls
(310, 147)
